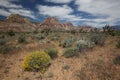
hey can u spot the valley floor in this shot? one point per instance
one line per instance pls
(95, 64)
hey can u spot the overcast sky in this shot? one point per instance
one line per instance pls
(96, 13)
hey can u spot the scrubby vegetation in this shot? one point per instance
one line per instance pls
(84, 44)
(71, 54)
(36, 61)
(118, 43)
(67, 42)
(53, 53)
(21, 39)
(98, 39)
(40, 36)
(6, 49)
(2, 41)
(117, 60)
(11, 33)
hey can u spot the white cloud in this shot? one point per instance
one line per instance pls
(54, 10)
(23, 12)
(9, 4)
(59, 1)
(62, 12)
(109, 8)
(103, 7)
(12, 8)
(3, 12)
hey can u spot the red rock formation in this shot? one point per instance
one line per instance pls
(17, 23)
(54, 24)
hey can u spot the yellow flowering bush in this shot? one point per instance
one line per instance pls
(36, 61)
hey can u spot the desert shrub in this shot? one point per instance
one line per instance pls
(118, 43)
(36, 61)
(21, 39)
(117, 60)
(11, 32)
(54, 38)
(2, 36)
(67, 42)
(117, 32)
(53, 53)
(98, 39)
(73, 31)
(40, 36)
(2, 41)
(84, 44)
(81, 45)
(6, 49)
(46, 31)
(90, 44)
(71, 52)
(112, 32)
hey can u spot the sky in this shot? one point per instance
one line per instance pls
(95, 13)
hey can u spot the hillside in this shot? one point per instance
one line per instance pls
(17, 23)
(54, 24)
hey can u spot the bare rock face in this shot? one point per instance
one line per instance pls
(51, 20)
(17, 23)
(67, 26)
(54, 24)
(15, 18)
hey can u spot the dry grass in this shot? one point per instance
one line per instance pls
(96, 64)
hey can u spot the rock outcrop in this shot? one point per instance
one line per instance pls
(17, 23)
(54, 24)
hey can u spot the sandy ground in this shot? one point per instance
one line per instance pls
(61, 68)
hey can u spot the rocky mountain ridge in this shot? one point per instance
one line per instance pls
(18, 23)
(53, 23)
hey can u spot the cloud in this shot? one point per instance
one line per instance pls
(23, 12)
(59, 1)
(108, 8)
(8, 7)
(9, 4)
(63, 12)
(4, 12)
(54, 10)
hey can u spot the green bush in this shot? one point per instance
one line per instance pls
(11, 32)
(21, 39)
(117, 60)
(98, 39)
(40, 36)
(117, 32)
(53, 53)
(36, 61)
(6, 49)
(73, 31)
(67, 42)
(2, 41)
(2, 36)
(118, 43)
(84, 44)
(71, 52)
(81, 45)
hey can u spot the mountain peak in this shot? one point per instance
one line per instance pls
(16, 18)
(51, 20)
